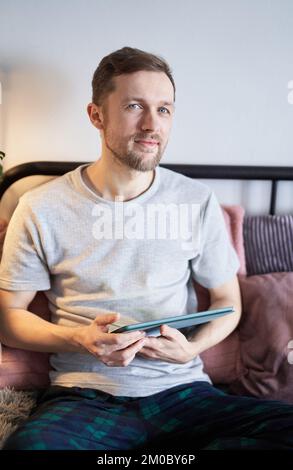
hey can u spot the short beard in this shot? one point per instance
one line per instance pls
(134, 160)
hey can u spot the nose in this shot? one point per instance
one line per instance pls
(150, 121)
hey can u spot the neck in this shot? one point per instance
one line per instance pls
(111, 179)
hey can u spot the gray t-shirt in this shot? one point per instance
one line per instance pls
(90, 259)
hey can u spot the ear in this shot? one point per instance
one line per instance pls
(96, 115)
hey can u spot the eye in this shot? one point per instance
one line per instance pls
(165, 109)
(133, 104)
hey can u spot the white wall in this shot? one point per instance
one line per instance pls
(232, 61)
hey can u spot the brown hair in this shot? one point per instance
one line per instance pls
(123, 61)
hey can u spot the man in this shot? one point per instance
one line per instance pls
(125, 391)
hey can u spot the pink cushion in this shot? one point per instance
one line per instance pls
(222, 362)
(234, 217)
(265, 330)
(26, 369)
(19, 368)
(23, 370)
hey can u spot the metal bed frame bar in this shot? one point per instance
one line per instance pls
(234, 172)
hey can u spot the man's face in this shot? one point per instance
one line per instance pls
(137, 119)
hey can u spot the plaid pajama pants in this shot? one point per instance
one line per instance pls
(194, 416)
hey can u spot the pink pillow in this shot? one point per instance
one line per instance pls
(222, 362)
(265, 329)
(234, 217)
(19, 368)
(25, 370)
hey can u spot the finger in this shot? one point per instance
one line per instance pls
(128, 353)
(152, 342)
(148, 353)
(122, 340)
(168, 332)
(106, 319)
(134, 348)
(104, 328)
(126, 339)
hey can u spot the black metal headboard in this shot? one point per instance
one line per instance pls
(235, 172)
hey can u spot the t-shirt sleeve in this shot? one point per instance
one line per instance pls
(217, 261)
(23, 264)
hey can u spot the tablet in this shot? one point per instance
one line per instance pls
(180, 321)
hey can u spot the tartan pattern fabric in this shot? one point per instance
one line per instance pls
(195, 415)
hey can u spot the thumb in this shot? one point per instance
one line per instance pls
(106, 319)
(169, 332)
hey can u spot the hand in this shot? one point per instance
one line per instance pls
(113, 349)
(171, 346)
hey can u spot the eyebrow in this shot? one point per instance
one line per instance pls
(133, 98)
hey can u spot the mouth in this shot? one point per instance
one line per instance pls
(147, 143)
